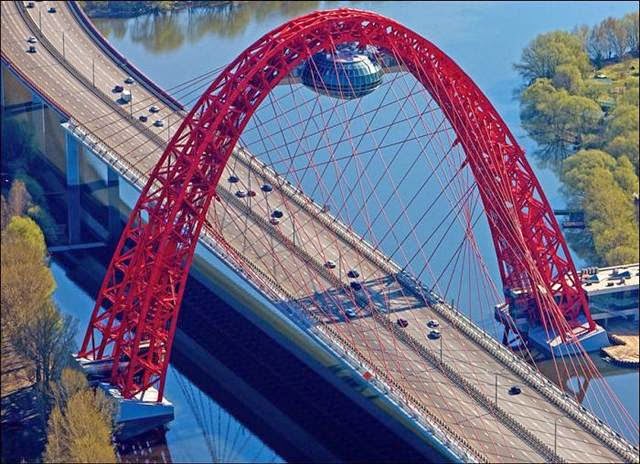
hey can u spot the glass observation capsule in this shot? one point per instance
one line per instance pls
(344, 74)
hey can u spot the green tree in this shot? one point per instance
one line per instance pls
(568, 77)
(80, 429)
(541, 58)
(26, 282)
(46, 338)
(19, 198)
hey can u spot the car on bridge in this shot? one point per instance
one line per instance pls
(266, 188)
(52, 9)
(143, 118)
(353, 274)
(434, 334)
(154, 109)
(117, 88)
(432, 324)
(129, 80)
(31, 49)
(30, 4)
(402, 323)
(32, 40)
(241, 193)
(159, 123)
(329, 264)
(251, 193)
(233, 179)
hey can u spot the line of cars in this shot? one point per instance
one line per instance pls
(126, 97)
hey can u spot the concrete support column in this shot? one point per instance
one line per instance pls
(113, 184)
(72, 157)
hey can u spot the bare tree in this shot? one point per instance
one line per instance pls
(630, 22)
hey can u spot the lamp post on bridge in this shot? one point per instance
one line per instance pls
(63, 51)
(40, 19)
(93, 71)
(555, 434)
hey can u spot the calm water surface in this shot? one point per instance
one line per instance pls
(485, 39)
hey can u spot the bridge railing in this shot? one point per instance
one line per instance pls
(119, 58)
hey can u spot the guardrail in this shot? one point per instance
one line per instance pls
(119, 58)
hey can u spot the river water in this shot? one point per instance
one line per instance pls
(485, 39)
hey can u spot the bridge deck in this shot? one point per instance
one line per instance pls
(294, 258)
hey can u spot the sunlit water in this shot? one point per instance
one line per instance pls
(485, 39)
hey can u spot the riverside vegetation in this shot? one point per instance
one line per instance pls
(580, 104)
(49, 413)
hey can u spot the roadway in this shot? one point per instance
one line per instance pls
(292, 253)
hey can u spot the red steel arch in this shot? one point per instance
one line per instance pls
(136, 311)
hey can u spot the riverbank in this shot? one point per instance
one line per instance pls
(625, 351)
(131, 9)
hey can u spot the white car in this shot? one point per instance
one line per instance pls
(330, 264)
(433, 324)
(32, 40)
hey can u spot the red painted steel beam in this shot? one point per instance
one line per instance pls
(135, 315)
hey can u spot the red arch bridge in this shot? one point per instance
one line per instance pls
(359, 179)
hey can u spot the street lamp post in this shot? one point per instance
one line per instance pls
(440, 349)
(555, 435)
(63, 51)
(93, 71)
(40, 19)
(496, 389)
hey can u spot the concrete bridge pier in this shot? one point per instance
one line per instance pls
(113, 198)
(72, 161)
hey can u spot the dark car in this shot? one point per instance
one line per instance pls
(30, 4)
(241, 193)
(118, 88)
(251, 193)
(129, 80)
(266, 188)
(52, 9)
(402, 323)
(356, 285)
(143, 118)
(277, 214)
(233, 179)
(515, 390)
(353, 274)
(154, 109)
(31, 49)
(434, 334)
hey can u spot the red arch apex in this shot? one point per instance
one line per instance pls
(136, 311)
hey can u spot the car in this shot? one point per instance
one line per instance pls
(353, 274)
(233, 179)
(154, 109)
(350, 313)
(515, 390)
(434, 334)
(251, 193)
(30, 4)
(118, 88)
(143, 118)
(277, 213)
(159, 123)
(32, 40)
(274, 221)
(402, 323)
(433, 324)
(241, 194)
(356, 285)
(52, 9)
(330, 264)
(129, 80)
(31, 49)
(266, 188)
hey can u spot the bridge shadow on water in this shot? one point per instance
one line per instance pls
(221, 358)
